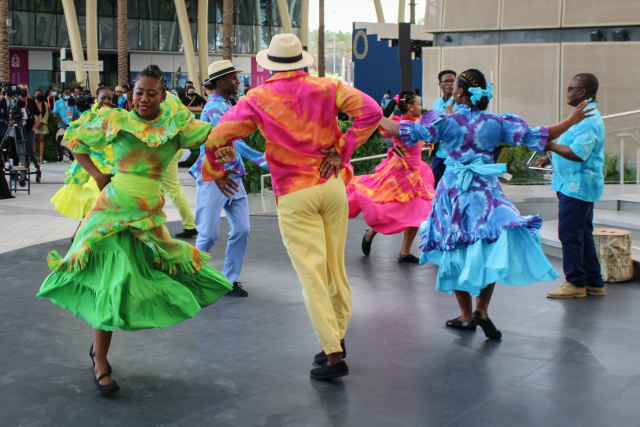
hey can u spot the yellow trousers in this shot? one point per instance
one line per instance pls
(172, 187)
(313, 224)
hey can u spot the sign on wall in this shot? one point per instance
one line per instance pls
(19, 66)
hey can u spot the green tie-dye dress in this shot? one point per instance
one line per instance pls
(123, 269)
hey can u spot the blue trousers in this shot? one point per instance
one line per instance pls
(438, 167)
(575, 229)
(209, 205)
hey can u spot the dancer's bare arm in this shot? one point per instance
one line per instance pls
(102, 179)
(391, 127)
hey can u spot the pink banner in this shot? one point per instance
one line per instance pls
(258, 74)
(19, 66)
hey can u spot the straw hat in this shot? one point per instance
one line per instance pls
(220, 68)
(284, 53)
(118, 88)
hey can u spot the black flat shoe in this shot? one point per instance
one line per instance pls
(106, 389)
(366, 246)
(408, 258)
(237, 291)
(321, 357)
(92, 355)
(459, 324)
(490, 330)
(326, 372)
(187, 233)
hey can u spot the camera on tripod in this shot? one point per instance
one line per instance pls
(11, 91)
(82, 103)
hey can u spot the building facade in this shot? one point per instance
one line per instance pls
(39, 30)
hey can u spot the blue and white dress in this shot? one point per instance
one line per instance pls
(474, 233)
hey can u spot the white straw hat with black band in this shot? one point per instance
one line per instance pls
(285, 53)
(219, 69)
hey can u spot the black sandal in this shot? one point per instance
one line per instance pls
(92, 355)
(106, 389)
(490, 330)
(366, 245)
(459, 324)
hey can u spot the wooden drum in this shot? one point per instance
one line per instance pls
(613, 247)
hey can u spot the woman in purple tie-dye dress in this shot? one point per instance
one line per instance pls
(474, 233)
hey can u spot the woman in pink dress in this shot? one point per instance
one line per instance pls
(397, 196)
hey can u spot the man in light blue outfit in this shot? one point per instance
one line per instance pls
(443, 105)
(579, 181)
(210, 199)
(64, 114)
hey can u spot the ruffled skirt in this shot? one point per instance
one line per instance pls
(394, 198)
(76, 200)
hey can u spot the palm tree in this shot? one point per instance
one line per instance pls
(227, 28)
(4, 41)
(321, 41)
(123, 44)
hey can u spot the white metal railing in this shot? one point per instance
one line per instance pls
(359, 159)
(622, 137)
(626, 113)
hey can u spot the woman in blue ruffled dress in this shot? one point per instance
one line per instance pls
(474, 233)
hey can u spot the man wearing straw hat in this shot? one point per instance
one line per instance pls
(309, 161)
(211, 200)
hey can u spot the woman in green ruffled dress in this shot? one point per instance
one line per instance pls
(123, 269)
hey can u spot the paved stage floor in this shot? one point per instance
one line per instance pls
(246, 361)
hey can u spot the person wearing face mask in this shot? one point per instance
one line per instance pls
(52, 97)
(41, 129)
(64, 114)
(31, 115)
(117, 94)
(386, 99)
(123, 269)
(193, 101)
(125, 102)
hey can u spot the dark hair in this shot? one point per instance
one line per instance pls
(23, 93)
(80, 87)
(49, 89)
(474, 78)
(416, 91)
(405, 99)
(154, 72)
(443, 72)
(590, 83)
(34, 92)
(101, 84)
(101, 89)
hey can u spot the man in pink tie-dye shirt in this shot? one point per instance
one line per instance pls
(309, 160)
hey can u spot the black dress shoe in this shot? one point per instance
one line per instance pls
(237, 291)
(326, 372)
(490, 330)
(92, 355)
(366, 246)
(187, 232)
(459, 324)
(408, 258)
(106, 389)
(322, 357)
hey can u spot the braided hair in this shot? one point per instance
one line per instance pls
(154, 72)
(474, 78)
(403, 100)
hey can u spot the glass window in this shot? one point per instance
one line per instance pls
(295, 13)
(63, 35)
(148, 38)
(132, 34)
(215, 11)
(212, 36)
(108, 8)
(24, 25)
(24, 5)
(80, 7)
(275, 14)
(192, 9)
(46, 29)
(264, 17)
(132, 9)
(45, 6)
(39, 79)
(242, 42)
(194, 37)
(243, 11)
(168, 36)
(261, 37)
(107, 33)
(167, 9)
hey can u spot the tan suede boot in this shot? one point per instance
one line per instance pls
(567, 290)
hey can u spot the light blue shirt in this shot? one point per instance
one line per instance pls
(581, 180)
(441, 106)
(61, 108)
(212, 112)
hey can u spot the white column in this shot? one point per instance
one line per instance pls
(92, 43)
(74, 36)
(304, 23)
(284, 16)
(203, 42)
(379, 11)
(187, 42)
(401, 14)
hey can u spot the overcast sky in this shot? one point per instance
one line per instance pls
(340, 14)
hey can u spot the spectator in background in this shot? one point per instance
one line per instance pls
(102, 84)
(4, 114)
(52, 97)
(24, 86)
(117, 94)
(64, 114)
(41, 129)
(385, 99)
(193, 101)
(78, 91)
(443, 105)
(31, 118)
(124, 101)
(247, 88)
